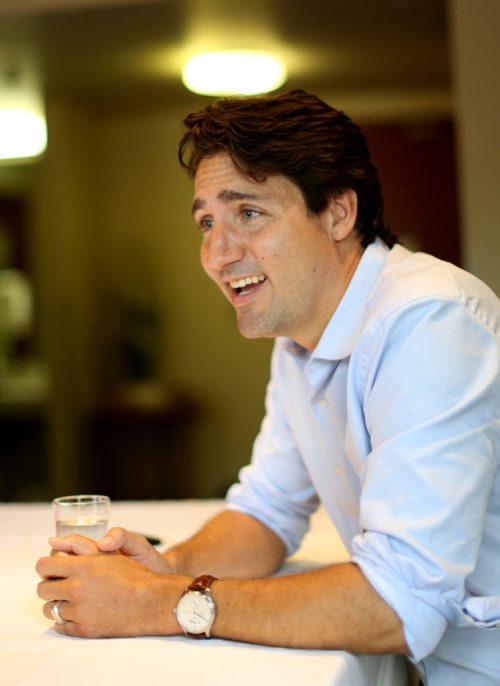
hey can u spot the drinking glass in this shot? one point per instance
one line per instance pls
(82, 514)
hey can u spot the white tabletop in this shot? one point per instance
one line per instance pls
(33, 654)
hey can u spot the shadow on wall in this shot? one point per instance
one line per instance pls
(417, 167)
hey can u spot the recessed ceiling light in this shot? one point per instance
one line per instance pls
(233, 72)
(23, 131)
(22, 134)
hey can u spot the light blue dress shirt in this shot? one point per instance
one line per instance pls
(393, 424)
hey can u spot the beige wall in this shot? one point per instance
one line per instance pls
(64, 230)
(149, 241)
(114, 223)
(475, 51)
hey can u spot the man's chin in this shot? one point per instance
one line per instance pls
(253, 330)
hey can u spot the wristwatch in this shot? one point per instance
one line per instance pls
(196, 609)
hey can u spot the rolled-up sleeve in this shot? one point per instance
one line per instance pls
(431, 403)
(276, 487)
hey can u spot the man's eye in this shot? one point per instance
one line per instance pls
(250, 214)
(206, 224)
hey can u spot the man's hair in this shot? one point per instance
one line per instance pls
(299, 136)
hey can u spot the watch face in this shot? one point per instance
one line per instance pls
(195, 612)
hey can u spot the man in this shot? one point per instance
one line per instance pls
(383, 405)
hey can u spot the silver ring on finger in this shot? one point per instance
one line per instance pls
(55, 612)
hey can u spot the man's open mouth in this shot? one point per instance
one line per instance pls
(247, 284)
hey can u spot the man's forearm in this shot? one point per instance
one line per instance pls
(330, 608)
(232, 544)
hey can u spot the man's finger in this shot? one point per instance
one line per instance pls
(56, 567)
(50, 589)
(135, 547)
(128, 543)
(74, 544)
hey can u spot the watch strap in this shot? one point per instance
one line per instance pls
(201, 583)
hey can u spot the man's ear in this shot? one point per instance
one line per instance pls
(343, 211)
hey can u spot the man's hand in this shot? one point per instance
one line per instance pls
(108, 587)
(117, 540)
(107, 595)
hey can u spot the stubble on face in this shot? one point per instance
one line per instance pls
(287, 244)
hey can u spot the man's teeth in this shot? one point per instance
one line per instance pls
(241, 283)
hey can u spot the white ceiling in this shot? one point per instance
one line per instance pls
(111, 53)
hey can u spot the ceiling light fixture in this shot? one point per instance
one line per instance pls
(23, 131)
(233, 72)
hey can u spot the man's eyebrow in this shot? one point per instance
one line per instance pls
(229, 196)
(197, 205)
(225, 196)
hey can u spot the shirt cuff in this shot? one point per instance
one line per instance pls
(290, 531)
(423, 624)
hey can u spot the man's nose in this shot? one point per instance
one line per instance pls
(221, 248)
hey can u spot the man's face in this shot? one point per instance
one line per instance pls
(274, 261)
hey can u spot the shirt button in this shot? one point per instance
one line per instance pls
(323, 402)
(338, 469)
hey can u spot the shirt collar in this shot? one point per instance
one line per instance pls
(341, 333)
